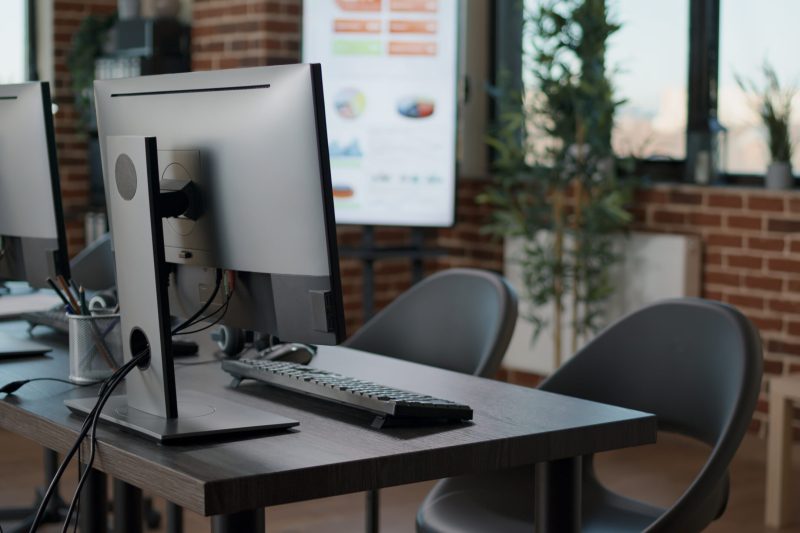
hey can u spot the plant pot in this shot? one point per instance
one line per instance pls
(779, 177)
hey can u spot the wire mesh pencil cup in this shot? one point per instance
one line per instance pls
(95, 347)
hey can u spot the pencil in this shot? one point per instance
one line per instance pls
(60, 295)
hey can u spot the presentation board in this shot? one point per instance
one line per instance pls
(390, 73)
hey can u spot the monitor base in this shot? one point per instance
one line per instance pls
(201, 416)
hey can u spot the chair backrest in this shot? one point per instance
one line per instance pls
(697, 366)
(459, 319)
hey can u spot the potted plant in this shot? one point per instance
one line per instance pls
(774, 105)
(555, 182)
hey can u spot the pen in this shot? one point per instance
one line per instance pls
(82, 297)
(61, 295)
(70, 297)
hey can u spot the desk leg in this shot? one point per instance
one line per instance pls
(128, 508)
(94, 504)
(174, 518)
(250, 521)
(778, 508)
(373, 508)
(558, 496)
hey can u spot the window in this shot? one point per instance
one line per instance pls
(13, 42)
(648, 62)
(648, 58)
(751, 32)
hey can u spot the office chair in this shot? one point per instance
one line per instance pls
(695, 364)
(458, 319)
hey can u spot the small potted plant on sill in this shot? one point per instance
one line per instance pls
(775, 109)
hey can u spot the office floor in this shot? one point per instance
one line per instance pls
(672, 463)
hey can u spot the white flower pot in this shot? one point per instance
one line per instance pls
(779, 177)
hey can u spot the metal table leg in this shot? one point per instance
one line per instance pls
(128, 508)
(249, 521)
(558, 496)
(94, 504)
(373, 508)
(174, 518)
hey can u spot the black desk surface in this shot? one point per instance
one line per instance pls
(332, 451)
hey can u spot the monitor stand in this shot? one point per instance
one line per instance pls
(150, 407)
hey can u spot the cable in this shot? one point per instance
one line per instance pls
(93, 441)
(108, 385)
(224, 309)
(14, 386)
(190, 321)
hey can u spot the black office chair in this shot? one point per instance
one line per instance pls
(696, 364)
(459, 319)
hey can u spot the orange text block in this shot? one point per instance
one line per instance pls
(416, 6)
(413, 26)
(407, 48)
(359, 5)
(356, 26)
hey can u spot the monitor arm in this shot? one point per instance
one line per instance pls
(179, 198)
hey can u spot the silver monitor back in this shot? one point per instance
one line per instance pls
(33, 243)
(254, 141)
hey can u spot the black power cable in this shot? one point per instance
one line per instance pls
(189, 322)
(14, 386)
(108, 386)
(95, 416)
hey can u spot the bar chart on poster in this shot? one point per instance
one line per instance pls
(390, 72)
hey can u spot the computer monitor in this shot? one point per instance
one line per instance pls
(253, 144)
(33, 242)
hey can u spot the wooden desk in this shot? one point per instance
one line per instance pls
(332, 451)
(783, 391)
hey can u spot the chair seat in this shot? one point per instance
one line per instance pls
(503, 501)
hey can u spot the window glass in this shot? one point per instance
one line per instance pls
(649, 56)
(13, 42)
(750, 33)
(648, 60)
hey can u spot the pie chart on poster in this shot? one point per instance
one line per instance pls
(416, 107)
(350, 103)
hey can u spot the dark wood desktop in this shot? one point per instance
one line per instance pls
(333, 451)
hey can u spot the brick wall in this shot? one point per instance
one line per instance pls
(751, 258)
(245, 33)
(70, 141)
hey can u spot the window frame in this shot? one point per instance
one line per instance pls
(702, 83)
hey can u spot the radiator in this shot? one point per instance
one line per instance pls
(653, 267)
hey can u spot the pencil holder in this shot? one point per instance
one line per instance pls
(95, 347)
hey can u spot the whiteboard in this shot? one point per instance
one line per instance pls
(390, 74)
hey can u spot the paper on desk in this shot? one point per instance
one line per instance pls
(13, 305)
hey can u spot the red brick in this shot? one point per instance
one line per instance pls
(726, 240)
(712, 295)
(744, 222)
(764, 283)
(722, 278)
(789, 348)
(794, 205)
(705, 219)
(745, 261)
(687, 198)
(767, 323)
(784, 265)
(783, 225)
(793, 286)
(785, 306)
(773, 366)
(724, 200)
(766, 244)
(650, 196)
(662, 216)
(740, 300)
(765, 203)
(793, 328)
(713, 259)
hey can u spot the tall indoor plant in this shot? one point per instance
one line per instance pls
(774, 105)
(555, 181)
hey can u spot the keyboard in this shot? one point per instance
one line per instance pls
(55, 318)
(391, 406)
